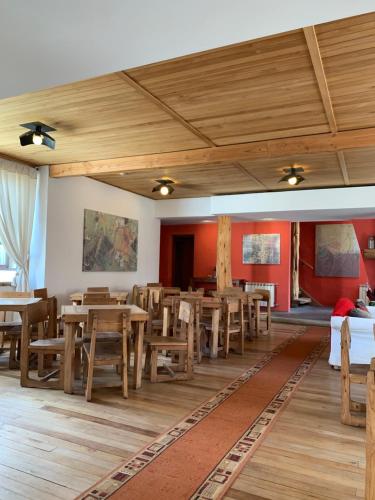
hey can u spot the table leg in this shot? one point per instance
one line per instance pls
(138, 354)
(24, 361)
(215, 333)
(69, 330)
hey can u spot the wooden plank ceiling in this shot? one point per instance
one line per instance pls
(302, 84)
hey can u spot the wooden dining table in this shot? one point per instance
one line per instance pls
(73, 315)
(120, 296)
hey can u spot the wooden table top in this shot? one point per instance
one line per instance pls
(76, 314)
(16, 304)
(121, 294)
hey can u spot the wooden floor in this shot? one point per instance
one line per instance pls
(54, 445)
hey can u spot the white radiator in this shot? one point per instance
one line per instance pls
(363, 293)
(271, 287)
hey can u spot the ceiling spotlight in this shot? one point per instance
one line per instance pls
(37, 135)
(292, 176)
(164, 187)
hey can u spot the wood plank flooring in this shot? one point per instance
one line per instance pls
(54, 445)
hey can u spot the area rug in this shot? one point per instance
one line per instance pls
(201, 456)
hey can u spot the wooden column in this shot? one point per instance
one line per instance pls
(370, 434)
(295, 261)
(223, 253)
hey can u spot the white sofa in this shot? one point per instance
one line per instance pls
(362, 347)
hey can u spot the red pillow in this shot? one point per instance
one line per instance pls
(343, 306)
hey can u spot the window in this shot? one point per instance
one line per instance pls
(7, 267)
(5, 261)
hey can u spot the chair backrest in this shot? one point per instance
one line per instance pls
(109, 320)
(98, 289)
(169, 290)
(186, 319)
(191, 294)
(150, 285)
(41, 293)
(98, 299)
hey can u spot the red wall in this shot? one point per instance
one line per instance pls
(205, 254)
(327, 290)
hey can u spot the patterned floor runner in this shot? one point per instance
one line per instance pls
(202, 455)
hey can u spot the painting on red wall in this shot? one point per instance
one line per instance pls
(261, 249)
(337, 251)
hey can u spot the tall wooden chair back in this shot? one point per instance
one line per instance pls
(171, 290)
(233, 290)
(98, 299)
(197, 293)
(41, 293)
(233, 323)
(98, 289)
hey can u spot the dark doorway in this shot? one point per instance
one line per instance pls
(183, 260)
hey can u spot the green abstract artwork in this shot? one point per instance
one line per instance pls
(110, 242)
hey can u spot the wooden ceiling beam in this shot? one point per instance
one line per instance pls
(316, 59)
(343, 167)
(275, 148)
(163, 106)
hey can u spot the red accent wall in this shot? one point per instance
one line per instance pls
(327, 290)
(205, 254)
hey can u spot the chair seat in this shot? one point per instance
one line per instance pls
(104, 337)
(48, 344)
(105, 351)
(167, 341)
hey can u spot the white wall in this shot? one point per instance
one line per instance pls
(67, 199)
(49, 43)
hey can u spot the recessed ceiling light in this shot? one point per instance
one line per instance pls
(207, 221)
(292, 176)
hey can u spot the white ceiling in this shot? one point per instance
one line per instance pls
(43, 44)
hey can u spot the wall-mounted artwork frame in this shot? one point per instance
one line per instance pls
(261, 249)
(110, 243)
(337, 252)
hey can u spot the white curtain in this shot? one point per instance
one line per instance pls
(17, 201)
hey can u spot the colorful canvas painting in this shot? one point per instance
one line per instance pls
(110, 242)
(336, 251)
(261, 249)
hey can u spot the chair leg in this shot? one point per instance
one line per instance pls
(226, 344)
(13, 364)
(124, 370)
(154, 365)
(148, 360)
(77, 363)
(90, 377)
(198, 343)
(241, 341)
(61, 374)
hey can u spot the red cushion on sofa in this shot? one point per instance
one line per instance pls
(342, 307)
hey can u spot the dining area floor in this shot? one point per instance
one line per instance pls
(59, 445)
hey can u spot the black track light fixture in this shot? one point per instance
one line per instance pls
(293, 177)
(164, 187)
(37, 135)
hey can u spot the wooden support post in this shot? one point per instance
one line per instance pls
(295, 261)
(223, 253)
(370, 434)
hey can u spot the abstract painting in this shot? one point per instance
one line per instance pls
(336, 251)
(261, 249)
(110, 242)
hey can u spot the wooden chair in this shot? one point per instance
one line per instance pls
(196, 302)
(106, 322)
(370, 433)
(97, 299)
(350, 374)
(42, 315)
(233, 290)
(183, 345)
(98, 289)
(151, 285)
(232, 327)
(11, 327)
(265, 312)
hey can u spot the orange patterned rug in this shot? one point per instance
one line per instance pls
(202, 455)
